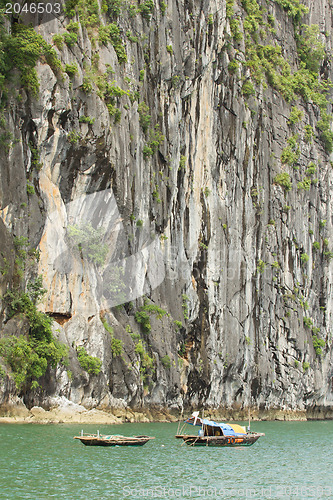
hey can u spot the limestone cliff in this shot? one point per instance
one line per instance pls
(175, 175)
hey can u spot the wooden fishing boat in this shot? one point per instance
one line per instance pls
(218, 433)
(112, 440)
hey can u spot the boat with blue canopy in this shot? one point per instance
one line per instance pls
(218, 433)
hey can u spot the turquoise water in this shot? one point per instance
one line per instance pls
(38, 462)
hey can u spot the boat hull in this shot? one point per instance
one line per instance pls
(113, 440)
(220, 441)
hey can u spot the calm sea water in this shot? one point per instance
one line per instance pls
(38, 462)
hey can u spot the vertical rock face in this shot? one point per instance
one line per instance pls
(176, 155)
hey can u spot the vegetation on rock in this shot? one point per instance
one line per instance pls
(88, 241)
(30, 357)
(90, 364)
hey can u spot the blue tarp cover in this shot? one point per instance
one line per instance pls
(226, 428)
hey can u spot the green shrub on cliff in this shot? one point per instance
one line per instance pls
(311, 169)
(144, 116)
(112, 7)
(89, 242)
(235, 30)
(304, 258)
(58, 41)
(230, 8)
(25, 303)
(70, 39)
(21, 50)
(147, 363)
(166, 361)
(261, 266)
(267, 64)
(29, 359)
(70, 6)
(73, 137)
(318, 343)
(90, 364)
(326, 134)
(291, 153)
(30, 189)
(294, 8)
(283, 180)
(155, 138)
(142, 317)
(248, 89)
(71, 69)
(146, 9)
(116, 346)
(296, 115)
(233, 66)
(86, 119)
(310, 48)
(155, 309)
(111, 33)
(305, 184)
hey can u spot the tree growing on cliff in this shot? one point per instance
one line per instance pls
(310, 48)
(89, 242)
(29, 358)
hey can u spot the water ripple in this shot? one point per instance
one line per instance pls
(39, 462)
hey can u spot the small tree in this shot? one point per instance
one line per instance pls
(89, 242)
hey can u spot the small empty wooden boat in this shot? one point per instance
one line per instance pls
(112, 440)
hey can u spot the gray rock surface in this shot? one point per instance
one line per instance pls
(210, 213)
